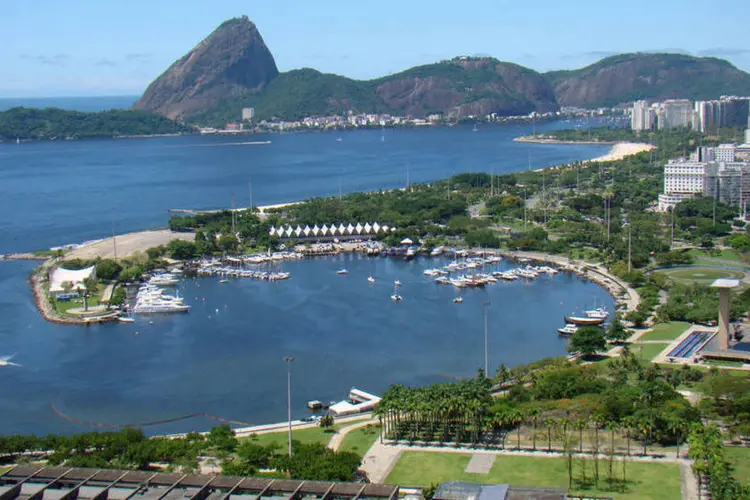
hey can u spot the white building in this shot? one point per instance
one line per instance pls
(725, 153)
(643, 116)
(675, 113)
(683, 179)
(248, 114)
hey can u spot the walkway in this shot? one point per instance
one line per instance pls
(338, 439)
(379, 461)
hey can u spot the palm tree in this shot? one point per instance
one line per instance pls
(534, 413)
(550, 424)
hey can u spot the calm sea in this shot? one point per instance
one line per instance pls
(225, 356)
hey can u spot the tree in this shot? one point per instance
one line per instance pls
(108, 269)
(326, 423)
(587, 341)
(616, 331)
(707, 242)
(182, 250)
(222, 438)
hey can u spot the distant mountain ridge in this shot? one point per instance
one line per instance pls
(232, 68)
(628, 77)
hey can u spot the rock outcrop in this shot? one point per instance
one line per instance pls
(230, 61)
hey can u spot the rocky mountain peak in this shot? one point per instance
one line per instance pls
(232, 60)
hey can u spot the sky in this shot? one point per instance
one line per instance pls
(94, 47)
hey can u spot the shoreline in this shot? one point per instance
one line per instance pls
(140, 241)
(619, 150)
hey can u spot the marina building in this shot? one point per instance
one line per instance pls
(64, 282)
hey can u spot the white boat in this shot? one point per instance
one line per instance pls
(598, 313)
(396, 297)
(339, 139)
(370, 279)
(163, 280)
(125, 319)
(342, 271)
(584, 321)
(397, 283)
(458, 300)
(222, 281)
(568, 329)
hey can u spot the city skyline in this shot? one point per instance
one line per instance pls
(78, 50)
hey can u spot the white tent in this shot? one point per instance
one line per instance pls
(75, 278)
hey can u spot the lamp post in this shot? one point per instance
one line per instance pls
(486, 341)
(288, 360)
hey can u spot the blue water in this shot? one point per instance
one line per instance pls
(99, 103)
(225, 356)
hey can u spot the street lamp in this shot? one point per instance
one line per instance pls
(288, 360)
(486, 342)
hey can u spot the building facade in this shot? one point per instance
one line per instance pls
(248, 114)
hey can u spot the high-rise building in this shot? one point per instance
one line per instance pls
(643, 116)
(675, 113)
(729, 183)
(734, 111)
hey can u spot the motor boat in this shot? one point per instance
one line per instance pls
(458, 300)
(370, 279)
(568, 329)
(342, 271)
(584, 321)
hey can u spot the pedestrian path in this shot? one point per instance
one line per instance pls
(338, 439)
(480, 463)
(379, 461)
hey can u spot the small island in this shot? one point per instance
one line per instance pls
(23, 124)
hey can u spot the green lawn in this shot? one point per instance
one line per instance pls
(740, 459)
(360, 440)
(649, 350)
(717, 362)
(647, 481)
(306, 436)
(702, 274)
(666, 331)
(718, 254)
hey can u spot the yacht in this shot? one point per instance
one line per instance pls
(584, 321)
(342, 271)
(568, 329)
(165, 279)
(370, 279)
(598, 313)
(458, 300)
(397, 283)
(223, 280)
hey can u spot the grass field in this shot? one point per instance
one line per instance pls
(649, 350)
(718, 254)
(648, 481)
(740, 460)
(666, 331)
(360, 440)
(701, 273)
(716, 362)
(306, 436)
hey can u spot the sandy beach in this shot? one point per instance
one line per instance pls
(127, 244)
(622, 150)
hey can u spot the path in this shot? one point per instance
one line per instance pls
(688, 482)
(338, 439)
(480, 463)
(379, 461)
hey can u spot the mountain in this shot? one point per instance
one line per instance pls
(460, 87)
(230, 61)
(232, 68)
(628, 77)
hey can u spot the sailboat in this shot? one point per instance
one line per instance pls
(127, 318)
(382, 134)
(396, 297)
(370, 279)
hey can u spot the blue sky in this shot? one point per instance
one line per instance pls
(98, 47)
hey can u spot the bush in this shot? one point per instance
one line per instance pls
(182, 250)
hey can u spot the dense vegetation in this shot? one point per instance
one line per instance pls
(53, 123)
(130, 449)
